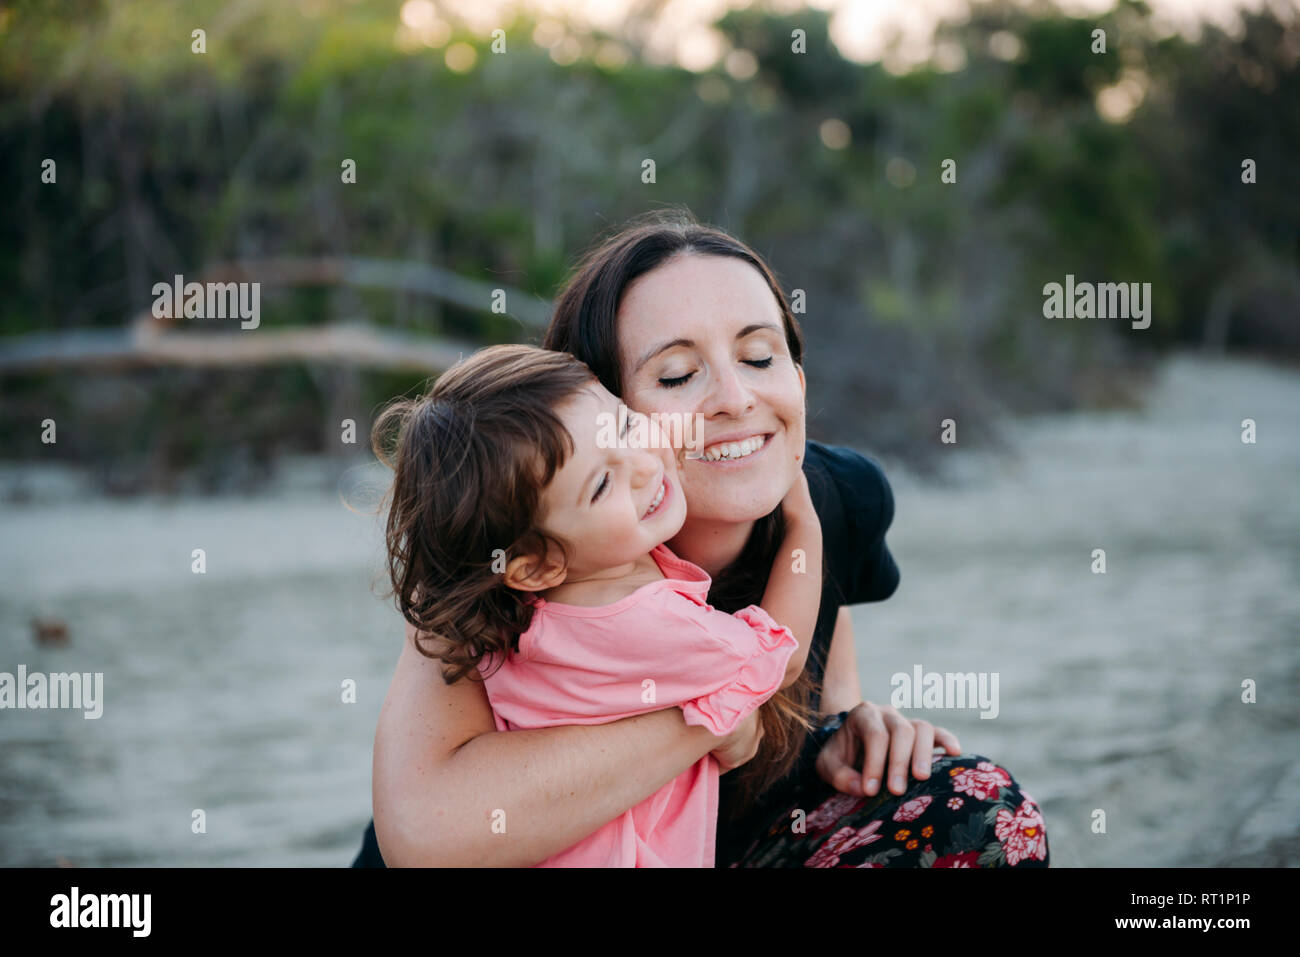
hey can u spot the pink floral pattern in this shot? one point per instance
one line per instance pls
(913, 808)
(841, 842)
(1022, 834)
(981, 782)
(969, 813)
(838, 805)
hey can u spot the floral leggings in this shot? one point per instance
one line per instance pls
(969, 813)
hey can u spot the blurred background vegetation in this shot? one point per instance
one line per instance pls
(924, 299)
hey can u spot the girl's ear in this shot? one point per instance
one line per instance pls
(532, 573)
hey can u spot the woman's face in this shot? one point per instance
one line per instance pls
(703, 334)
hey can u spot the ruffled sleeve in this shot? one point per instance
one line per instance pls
(757, 678)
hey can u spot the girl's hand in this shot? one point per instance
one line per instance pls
(741, 745)
(872, 732)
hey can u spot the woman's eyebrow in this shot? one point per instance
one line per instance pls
(663, 348)
(756, 326)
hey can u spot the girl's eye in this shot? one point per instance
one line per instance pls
(600, 489)
(759, 363)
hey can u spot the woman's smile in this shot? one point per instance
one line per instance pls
(734, 451)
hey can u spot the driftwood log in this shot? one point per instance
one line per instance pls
(148, 340)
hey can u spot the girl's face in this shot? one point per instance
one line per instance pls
(614, 498)
(704, 334)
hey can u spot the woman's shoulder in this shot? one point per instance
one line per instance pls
(851, 482)
(848, 465)
(856, 507)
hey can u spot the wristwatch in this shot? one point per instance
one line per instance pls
(828, 727)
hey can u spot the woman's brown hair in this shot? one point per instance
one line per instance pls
(470, 460)
(585, 324)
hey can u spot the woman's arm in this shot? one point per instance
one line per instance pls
(841, 688)
(441, 770)
(794, 588)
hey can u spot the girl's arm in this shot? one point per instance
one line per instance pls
(442, 772)
(794, 589)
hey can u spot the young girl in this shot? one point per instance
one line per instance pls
(523, 548)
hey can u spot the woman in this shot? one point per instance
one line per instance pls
(677, 317)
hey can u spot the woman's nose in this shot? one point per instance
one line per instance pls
(728, 394)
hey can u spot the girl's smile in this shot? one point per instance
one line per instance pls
(657, 502)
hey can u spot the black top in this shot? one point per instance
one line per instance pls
(856, 506)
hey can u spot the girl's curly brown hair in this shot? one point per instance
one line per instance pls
(470, 460)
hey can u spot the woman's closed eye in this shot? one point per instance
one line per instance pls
(600, 489)
(672, 382)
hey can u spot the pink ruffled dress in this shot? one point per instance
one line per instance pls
(661, 646)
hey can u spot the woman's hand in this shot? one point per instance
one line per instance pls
(876, 731)
(741, 745)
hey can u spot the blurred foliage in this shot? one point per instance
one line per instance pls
(924, 298)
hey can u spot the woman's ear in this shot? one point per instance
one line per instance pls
(803, 383)
(533, 573)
